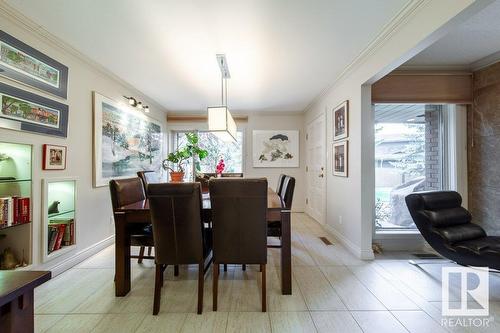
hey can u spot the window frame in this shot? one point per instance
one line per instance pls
(173, 133)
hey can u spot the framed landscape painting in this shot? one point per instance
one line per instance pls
(24, 111)
(341, 121)
(125, 141)
(340, 158)
(21, 62)
(275, 149)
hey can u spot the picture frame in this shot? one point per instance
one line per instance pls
(22, 63)
(125, 141)
(276, 148)
(340, 116)
(24, 111)
(340, 158)
(54, 157)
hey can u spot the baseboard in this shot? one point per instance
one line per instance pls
(353, 248)
(74, 260)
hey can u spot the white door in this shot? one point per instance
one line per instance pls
(316, 169)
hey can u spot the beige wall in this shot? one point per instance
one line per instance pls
(93, 206)
(350, 201)
(278, 122)
(259, 121)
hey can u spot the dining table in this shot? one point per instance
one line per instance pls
(138, 212)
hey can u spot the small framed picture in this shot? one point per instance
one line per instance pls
(340, 158)
(54, 157)
(341, 121)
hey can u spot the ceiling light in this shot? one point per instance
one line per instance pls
(412, 119)
(139, 105)
(221, 123)
(220, 120)
(131, 101)
(146, 109)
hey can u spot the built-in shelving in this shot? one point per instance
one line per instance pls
(15, 184)
(59, 227)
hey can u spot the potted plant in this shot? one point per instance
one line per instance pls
(180, 156)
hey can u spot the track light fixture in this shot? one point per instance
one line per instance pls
(137, 104)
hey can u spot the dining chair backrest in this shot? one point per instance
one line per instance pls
(148, 177)
(281, 178)
(126, 191)
(287, 191)
(239, 208)
(176, 218)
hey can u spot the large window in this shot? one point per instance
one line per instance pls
(231, 152)
(409, 157)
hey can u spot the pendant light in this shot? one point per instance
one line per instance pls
(220, 120)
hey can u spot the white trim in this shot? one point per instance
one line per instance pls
(77, 258)
(363, 254)
(485, 62)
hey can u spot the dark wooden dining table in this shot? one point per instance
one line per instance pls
(138, 212)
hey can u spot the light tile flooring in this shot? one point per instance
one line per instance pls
(332, 292)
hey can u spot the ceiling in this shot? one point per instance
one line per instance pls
(399, 113)
(281, 53)
(476, 39)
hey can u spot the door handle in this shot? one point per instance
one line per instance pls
(321, 175)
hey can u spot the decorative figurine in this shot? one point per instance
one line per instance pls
(8, 260)
(54, 207)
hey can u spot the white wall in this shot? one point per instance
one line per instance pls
(94, 205)
(352, 199)
(260, 121)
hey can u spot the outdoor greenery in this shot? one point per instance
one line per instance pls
(179, 157)
(231, 152)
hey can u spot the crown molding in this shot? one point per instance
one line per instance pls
(388, 30)
(485, 62)
(26, 23)
(406, 69)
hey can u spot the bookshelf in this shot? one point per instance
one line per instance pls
(15, 209)
(59, 216)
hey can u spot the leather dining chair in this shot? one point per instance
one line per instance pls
(124, 192)
(286, 194)
(148, 177)
(179, 235)
(239, 208)
(281, 178)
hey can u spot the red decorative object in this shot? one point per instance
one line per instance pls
(220, 167)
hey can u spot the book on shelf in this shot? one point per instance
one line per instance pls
(61, 233)
(14, 210)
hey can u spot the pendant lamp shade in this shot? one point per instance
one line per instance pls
(221, 123)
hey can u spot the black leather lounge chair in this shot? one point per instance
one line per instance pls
(447, 227)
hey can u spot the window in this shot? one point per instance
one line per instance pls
(231, 152)
(409, 157)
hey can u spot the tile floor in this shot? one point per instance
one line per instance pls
(332, 292)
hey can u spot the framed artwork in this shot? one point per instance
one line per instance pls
(341, 121)
(54, 157)
(275, 149)
(340, 158)
(125, 141)
(22, 63)
(24, 111)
